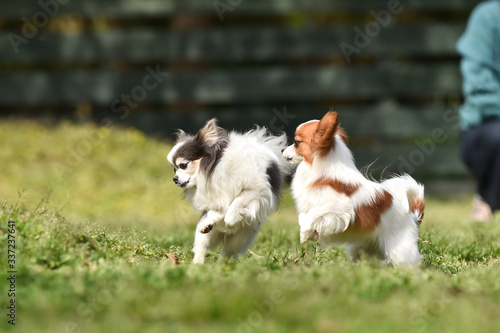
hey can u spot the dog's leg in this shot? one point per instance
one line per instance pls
(306, 228)
(205, 238)
(208, 220)
(353, 251)
(238, 243)
(205, 242)
(401, 248)
(200, 247)
(402, 251)
(249, 204)
(366, 246)
(326, 219)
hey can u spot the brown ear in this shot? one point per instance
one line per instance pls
(209, 134)
(324, 137)
(213, 140)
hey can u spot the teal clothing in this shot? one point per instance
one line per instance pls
(480, 65)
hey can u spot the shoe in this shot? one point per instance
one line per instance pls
(481, 211)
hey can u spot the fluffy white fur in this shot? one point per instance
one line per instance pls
(325, 214)
(237, 197)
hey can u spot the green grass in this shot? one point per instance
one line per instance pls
(92, 243)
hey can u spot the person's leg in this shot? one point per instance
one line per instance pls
(481, 152)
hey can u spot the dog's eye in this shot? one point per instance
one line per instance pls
(183, 165)
(296, 143)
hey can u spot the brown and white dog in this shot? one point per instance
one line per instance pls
(337, 204)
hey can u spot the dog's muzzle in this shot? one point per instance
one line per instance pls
(178, 183)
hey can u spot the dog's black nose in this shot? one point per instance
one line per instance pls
(282, 150)
(176, 180)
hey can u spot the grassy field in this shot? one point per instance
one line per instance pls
(99, 224)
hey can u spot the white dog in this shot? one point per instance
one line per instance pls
(337, 204)
(233, 179)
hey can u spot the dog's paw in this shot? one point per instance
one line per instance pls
(206, 229)
(303, 237)
(198, 259)
(307, 235)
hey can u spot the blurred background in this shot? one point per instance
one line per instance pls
(91, 92)
(389, 68)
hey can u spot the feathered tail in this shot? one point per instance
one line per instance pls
(409, 193)
(275, 143)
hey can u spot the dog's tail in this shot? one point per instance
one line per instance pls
(275, 143)
(409, 193)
